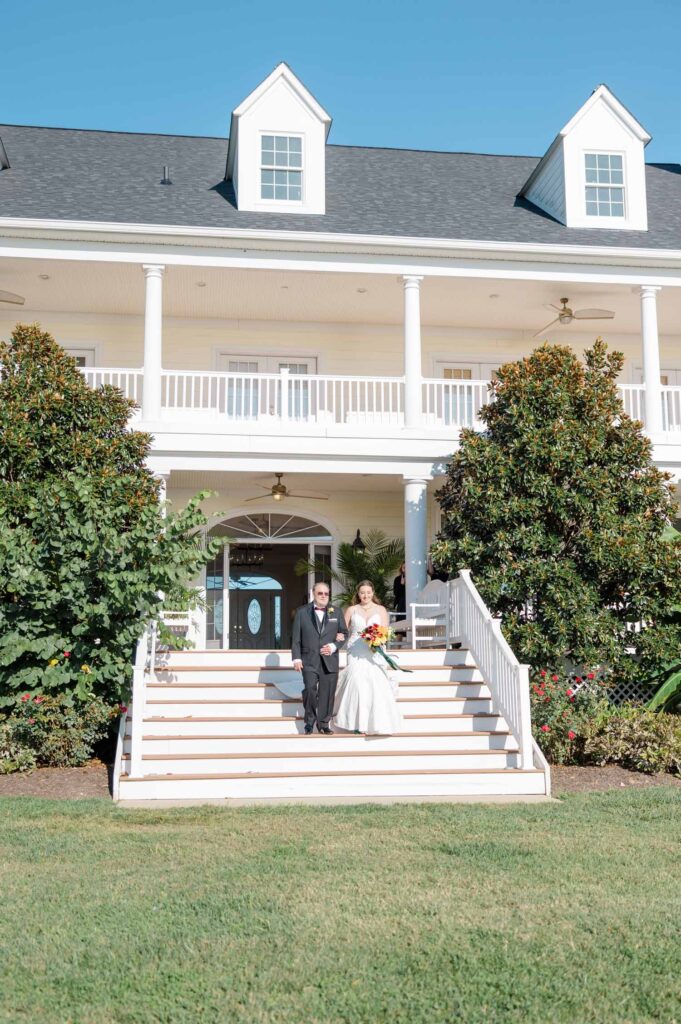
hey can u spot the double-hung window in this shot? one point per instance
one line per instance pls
(281, 167)
(604, 175)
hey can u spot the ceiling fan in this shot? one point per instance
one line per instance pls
(567, 315)
(280, 491)
(17, 300)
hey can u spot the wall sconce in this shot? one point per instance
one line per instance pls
(358, 544)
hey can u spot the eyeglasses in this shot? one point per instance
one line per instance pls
(322, 593)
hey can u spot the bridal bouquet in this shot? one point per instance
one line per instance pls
(377, 637)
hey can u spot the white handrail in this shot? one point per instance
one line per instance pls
(471, 623)
(671, 407)
(633, 400)
(145, 655)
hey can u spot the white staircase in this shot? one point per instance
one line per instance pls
(215, 727)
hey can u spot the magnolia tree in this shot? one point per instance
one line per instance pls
(559, 512)
(84, 547)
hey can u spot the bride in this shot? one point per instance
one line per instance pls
(365, 696)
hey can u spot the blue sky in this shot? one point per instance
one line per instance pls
(486, 76)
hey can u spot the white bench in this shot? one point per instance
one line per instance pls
(426, 619)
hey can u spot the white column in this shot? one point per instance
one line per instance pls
(412, 351)
(651, 359)
(153, 341)
(415, 537)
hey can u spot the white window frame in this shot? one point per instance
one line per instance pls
(270, 360)
(88, 352)
(598, 219)
(284, 204)
(479, 370)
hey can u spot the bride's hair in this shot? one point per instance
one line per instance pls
(365, 583)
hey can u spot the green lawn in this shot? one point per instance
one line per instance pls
(418, 914)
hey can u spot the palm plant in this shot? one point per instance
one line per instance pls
(378, 562)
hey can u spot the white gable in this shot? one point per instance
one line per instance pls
(602, 127)
(281, 108)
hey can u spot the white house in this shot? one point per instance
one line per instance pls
(284, 309)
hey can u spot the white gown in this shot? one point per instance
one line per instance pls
(365, 695)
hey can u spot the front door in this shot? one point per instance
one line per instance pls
(255, 617)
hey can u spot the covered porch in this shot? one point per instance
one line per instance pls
(251, 588)
(257, 349)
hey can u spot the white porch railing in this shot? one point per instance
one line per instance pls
(454, 403)
(130, 382)
(671, 408)
(145, 657)
(633, 400)
(307, 398)
(334, 400)
(471, 624)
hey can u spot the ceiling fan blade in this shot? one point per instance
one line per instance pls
(593, 314)
(258, 497)
(17, 300)
(312, 497)
(541, 331)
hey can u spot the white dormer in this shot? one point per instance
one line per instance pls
(593, 174)
(277, 143)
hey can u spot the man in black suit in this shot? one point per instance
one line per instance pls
(318, 631)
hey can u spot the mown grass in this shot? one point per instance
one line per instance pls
(564, 912)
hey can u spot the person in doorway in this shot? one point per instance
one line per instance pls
(400, 592)
(319, 630)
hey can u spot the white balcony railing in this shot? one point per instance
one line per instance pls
(633, 400)
(129, 381)
(454, 403)
(305, 398)
(333, 401)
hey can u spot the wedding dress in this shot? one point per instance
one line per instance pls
(365, 695)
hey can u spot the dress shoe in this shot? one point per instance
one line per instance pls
(308, 729)
(325, 729)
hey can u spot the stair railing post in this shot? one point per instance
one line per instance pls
(526, 751)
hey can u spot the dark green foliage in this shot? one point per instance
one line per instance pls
(559, 512)
(378, 563)
(84, 549)
(636, 738)
(53, 731)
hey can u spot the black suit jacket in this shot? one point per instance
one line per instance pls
(307, 638)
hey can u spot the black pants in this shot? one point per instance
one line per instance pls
(319, 693)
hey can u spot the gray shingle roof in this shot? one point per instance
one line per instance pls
(72, 174)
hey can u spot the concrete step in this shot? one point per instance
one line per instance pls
(192, 723)
(299, 742)
(320, 787)
(212, 675)
(274, 659)
(408, 688)
(320, 761)
(435, 706)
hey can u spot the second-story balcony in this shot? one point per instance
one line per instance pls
(328, 404)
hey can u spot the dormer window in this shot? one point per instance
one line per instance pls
(281, 167)
(604, 187)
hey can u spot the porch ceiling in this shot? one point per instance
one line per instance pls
(117, 288)
(244, 485)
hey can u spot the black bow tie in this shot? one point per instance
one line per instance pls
(319, 609)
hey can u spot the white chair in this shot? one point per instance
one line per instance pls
(426, 619)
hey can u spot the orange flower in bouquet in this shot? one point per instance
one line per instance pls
(377, 637)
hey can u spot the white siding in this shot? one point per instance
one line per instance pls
(548, 189)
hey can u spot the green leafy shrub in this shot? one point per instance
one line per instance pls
(560, 513)
(636, 738)
(563, 707)
(14, 755)
(55, 731)
(84, 546)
